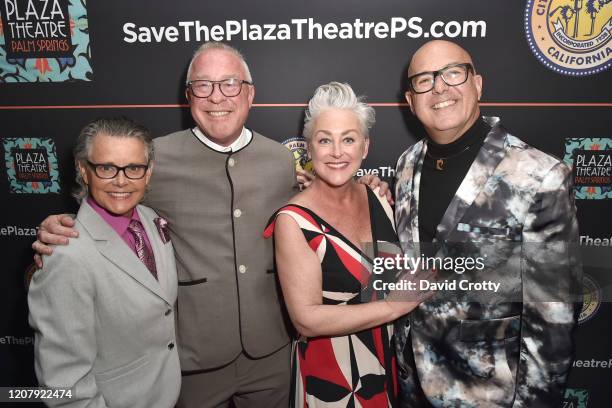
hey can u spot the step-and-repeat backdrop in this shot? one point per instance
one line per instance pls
(545, 65)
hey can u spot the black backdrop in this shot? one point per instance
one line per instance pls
(144, 81)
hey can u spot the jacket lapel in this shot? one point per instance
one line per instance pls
(408, 179)
(477, 178)
(113, 248)
(416, 188)
(158, 250)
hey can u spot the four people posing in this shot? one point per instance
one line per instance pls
(469, 180)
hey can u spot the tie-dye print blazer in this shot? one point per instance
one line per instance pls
(511, 349)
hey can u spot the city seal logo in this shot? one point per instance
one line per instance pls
(297, 145)
(591, 299)
(571, 37)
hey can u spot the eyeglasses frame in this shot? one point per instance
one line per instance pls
(242, 82)
(469, 68)
(94, 165)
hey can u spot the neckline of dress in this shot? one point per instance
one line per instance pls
(338, 233)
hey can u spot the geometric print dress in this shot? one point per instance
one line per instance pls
(357, 370)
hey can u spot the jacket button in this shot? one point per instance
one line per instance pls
(168, 312)
(237, 213)
(231, 162)
(170, 346)
(242, 269)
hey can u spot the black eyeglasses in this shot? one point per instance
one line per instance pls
(109, 171)
(203, 88)
(452, 75)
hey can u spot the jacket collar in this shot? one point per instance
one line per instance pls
(113, 248)
(475, 181)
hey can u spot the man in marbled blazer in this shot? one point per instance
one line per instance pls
(470, 189)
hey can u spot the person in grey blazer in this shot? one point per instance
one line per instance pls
(472, 189)
(102, 308)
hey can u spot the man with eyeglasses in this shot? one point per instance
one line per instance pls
(216, 185)
(470, 189)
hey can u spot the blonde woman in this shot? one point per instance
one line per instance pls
(344, 355)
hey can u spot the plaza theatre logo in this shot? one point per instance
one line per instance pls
(31, 165)
(44, 41)
(571, 37)
(575, 398)
(298, 147)
(591, 161)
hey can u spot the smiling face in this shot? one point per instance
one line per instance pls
(446, 112)
(221, 118)
(337, 146)
(118, 195)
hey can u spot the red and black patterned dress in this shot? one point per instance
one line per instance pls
(357, 370)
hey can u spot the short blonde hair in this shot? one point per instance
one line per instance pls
(336, 95)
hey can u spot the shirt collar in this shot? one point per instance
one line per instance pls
(118, 222)
(244, 139)
(476, 133)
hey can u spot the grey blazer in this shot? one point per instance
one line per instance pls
(515, 210)
(102, 323)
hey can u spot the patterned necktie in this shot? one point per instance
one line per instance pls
(142, 250)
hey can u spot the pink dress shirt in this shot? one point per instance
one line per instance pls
(120, 224)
